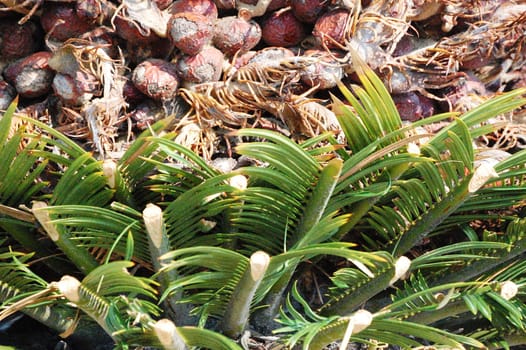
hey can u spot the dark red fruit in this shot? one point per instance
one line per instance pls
(203, 7)
(282, 29)
(324, 72)
(76, 89)
(206, 66)
(158, 48)
(234, 34)
(7, 94)
(225, 4)
(190, 31)
(413, 106)
(89, 10)
(156, 79)
(146, 114)
(163, 4)
(105, 38)
(31, 76)
(131, 93)
(278, 4)
(132, 32)
(18, 40)
(62, 21)
(330, 29)
(308, 11)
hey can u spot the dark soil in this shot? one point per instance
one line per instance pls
(24, 333)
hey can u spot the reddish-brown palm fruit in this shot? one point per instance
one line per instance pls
(206, 66)
(7, 94)
(156, 79)
(413, 106)
(225, 4)
(104, 38)
(89, 10)
(190, 32)
(18, 40)
(331, 27)
(132, 32)
(206, 8)
(163, 4)
(281, 28)
(478, 60)
(131, 94)
(75, 89)
(233, 34)
(278, 4)
(63, 22)
(243, 59)
(146, 114)
(31, 76)
(308, 11)
(324, 72)
(158, 48)
(141, 44)
(270, 56)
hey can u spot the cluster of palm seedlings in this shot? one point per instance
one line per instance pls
(391, 236)
(102, 71)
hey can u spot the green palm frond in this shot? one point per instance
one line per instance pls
(162, 170)
(271, 204)
(373, 130)
(32, 162)
(102, 295)
(456, 254)
(113, 279)
(83, 182)
(476, 118)
(375, 112)
(19, 283)
(97, 229)
(20, 167)
(317, 331)
(424, 196)
(495, 300)
(131, 171)
(188, 216)
(20, 173)
(353, 287)
(290, 195)
(211, 275)
(499, 258)
(16, 279)
(211, 288)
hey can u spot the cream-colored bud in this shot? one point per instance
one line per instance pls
(482, 174)
(69, 286)
(362, 319)
(259, 262)
(359, 321)
(239, 181)
(168, 335)
(508, 290)
(42, 215)
(402, 265)
(206, 225)
(412, 148)
(153, 220)
(109, 168)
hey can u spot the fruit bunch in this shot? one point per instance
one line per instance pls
(100, 69)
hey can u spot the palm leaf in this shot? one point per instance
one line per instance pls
(92, 227)
(101, 295)
(18, 284)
